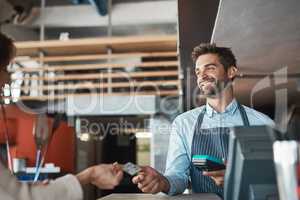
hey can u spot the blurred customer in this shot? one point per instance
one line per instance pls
(69, 187)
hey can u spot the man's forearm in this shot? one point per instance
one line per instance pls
(177, 183)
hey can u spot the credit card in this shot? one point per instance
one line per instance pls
(131, 169)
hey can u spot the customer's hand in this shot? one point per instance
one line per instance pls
(41, 183)
(151, 181)
(104, 176)
(217, 176)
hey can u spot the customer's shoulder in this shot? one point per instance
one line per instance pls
(258, 118)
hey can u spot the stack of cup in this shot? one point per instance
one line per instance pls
(286, 159)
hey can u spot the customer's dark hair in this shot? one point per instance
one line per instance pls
(225, 54)
(7, 50)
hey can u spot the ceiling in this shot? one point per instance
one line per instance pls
(129, 17)
(265, 37)
(67, 2)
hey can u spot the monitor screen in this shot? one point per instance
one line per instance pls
(250, 163)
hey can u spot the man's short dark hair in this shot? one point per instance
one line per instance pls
(7, 50)
(225, 54)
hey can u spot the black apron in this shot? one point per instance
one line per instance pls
(212, 142)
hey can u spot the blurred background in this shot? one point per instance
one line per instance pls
(111, 75)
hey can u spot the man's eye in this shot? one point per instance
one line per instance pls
(211, 67)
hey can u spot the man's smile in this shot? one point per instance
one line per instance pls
(206, 81)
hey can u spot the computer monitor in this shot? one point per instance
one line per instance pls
(250, 165)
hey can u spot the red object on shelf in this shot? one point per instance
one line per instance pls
(61, 150)
(12, 127)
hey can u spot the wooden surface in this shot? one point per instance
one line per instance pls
(64, 96)
(131, 84)
(99, 66)
(160, 197)
(99, 76)
(98, 45)
(99, 56)
(72, 68)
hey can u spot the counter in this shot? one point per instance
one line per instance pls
(160, 197)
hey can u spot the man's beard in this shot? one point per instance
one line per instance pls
(215, 88)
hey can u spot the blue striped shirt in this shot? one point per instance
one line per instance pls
(179, 154)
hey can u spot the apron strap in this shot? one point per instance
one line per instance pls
(200, 119)
(243, 115)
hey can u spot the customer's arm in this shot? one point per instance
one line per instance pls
(66, 188)
(105, 176)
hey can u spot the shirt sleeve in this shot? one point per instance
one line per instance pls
(178, 163)
(66, 188)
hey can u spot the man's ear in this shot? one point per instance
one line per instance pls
(232, 72)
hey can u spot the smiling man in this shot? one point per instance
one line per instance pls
(203, 130)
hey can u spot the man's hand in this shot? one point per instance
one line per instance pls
(104, 176)
(217, 176)
(151, 181)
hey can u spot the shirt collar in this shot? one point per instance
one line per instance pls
(231, 108)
